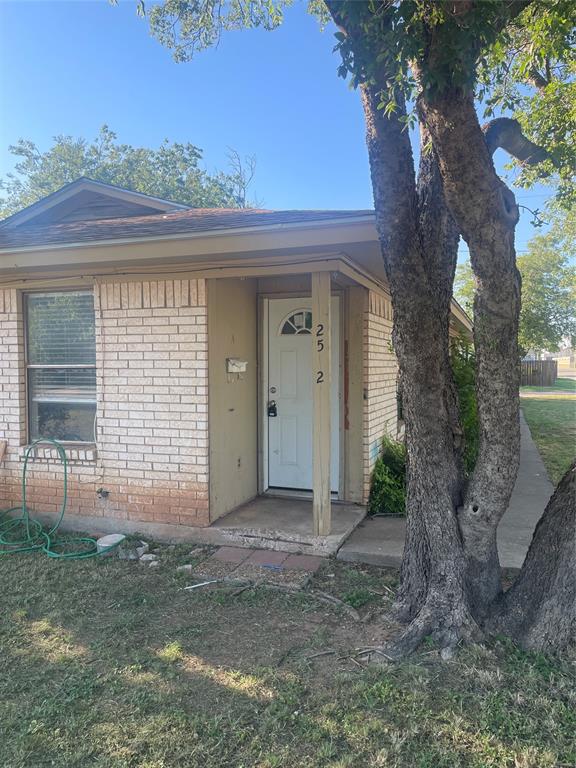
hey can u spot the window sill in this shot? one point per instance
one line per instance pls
(79, 453)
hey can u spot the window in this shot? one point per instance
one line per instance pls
(299, 322)
(61, 365)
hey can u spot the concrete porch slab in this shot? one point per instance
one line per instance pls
(376, 541)
(283, 524)
(380, 540)
(286, 524)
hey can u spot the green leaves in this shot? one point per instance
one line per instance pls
(172, 171)
(530, 72)
(548, 312)
(388, 483)
(463, 362)
(189, 26)
(548, 293)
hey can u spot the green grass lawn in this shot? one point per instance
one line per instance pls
(552, 423)
(565, 385)
(110, 664)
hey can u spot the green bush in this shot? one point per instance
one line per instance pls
(464, 369)
(388, 483)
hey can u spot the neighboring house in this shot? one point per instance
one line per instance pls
(191, 360)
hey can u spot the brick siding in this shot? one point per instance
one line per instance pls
(152, 412)
(380, 380)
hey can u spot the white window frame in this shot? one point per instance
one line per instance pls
(35, 366)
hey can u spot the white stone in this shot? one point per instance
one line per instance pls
(185, 568)
(154, 563)
(111, 540)
(148, 557)
(142, 549)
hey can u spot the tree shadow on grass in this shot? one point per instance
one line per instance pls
(110, 664)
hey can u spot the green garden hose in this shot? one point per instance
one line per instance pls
(20, 532)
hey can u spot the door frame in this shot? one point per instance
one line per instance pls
(263, 385)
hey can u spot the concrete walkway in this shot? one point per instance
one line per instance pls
(380, 540)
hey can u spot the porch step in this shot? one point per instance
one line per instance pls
(286, 525)
(376, 541)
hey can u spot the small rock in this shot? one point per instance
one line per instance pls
(447, 653)
(185, 568)
(143, 548)
(148, 558)
(127, 554)
(154, 563)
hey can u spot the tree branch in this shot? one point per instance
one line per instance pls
(537, 79)
(506, 133)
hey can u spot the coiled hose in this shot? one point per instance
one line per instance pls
(19, 532)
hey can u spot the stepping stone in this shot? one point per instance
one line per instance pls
(231, 554)
(303, 563)
(266, 557)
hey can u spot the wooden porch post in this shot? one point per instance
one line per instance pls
(321, 385)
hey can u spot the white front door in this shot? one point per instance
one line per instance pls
(289, 394)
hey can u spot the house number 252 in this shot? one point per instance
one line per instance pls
(320, 348)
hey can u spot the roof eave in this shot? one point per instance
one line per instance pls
(191, 235)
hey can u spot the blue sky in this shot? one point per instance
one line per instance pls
(68, 67)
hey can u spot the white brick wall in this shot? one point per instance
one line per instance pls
(380, 381)
(12, 385)
(152, 412)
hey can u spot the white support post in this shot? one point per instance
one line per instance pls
(321, 384)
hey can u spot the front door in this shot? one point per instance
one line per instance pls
(289, 396)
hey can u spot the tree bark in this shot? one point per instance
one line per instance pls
(486, 214)
(419, 248)
(439, 243)
(539, 610)
(505, 133)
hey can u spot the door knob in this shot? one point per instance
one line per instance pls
(272, 408)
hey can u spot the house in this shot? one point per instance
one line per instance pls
(195, 362)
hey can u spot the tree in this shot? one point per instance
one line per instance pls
(548, 277)
(429, 55)
(528, 73)
(172, 172)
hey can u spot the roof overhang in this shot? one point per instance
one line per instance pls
(214, 253)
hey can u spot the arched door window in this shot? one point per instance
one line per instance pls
(299, 322)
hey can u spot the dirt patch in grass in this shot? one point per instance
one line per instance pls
(111, 664)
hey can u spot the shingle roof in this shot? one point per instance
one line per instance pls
(160, 225)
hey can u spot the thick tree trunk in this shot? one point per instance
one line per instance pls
(486, 215)
(539, 610)
(419, 251)
(439, 239)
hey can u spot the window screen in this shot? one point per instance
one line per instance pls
(61, 362)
